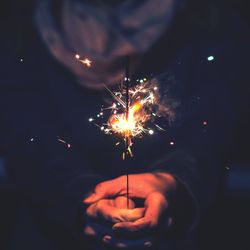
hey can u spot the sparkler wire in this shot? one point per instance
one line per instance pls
(127, 115)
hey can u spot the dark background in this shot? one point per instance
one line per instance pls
(227, 223)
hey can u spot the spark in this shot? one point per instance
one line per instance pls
(205, 123)
(172, 143)
(130, 152)
(210, 58)
(151, 132)
(132, 112)
(85, 61)
(64, 142)
(60, 140)
(160, 128)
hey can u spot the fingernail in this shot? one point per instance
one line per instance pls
(148, 244)
(106, 238)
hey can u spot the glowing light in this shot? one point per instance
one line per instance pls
(210, 58)
(91, 119)
(60, 140)
(21, 60)
(205, 123)
(130, 126)
(136, 117)
(63, 141)
(86, 62)
(32, 139)
(151, 132)
(172, 143)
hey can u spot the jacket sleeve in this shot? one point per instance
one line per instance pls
(206, 136)
(46, 172)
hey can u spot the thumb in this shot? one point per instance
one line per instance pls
(103, 190)
(92, 198)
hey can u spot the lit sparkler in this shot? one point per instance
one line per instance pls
(135, 117)
(133, 112)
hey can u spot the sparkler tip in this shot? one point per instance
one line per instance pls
(133, 111)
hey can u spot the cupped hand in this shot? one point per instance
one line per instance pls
(106, 211)
(153, 188)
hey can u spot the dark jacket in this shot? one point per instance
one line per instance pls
(40, 104)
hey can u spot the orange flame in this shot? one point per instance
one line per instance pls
(132, 126)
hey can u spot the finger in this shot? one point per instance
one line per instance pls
(123, 202)
(155, 205)
(137, 228)
(105, 189)
(104, 210)
(119, 243)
